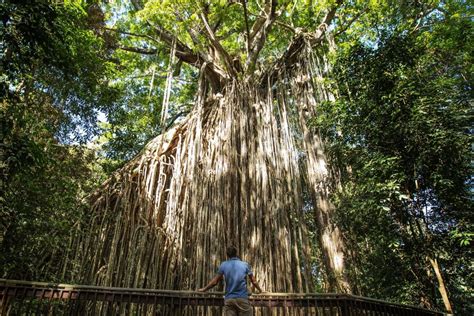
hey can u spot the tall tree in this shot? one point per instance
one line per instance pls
(241, 164)
(242, 167)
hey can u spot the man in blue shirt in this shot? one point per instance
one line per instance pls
(234, 271)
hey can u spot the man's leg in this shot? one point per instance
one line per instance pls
(244, 307)
(229, 307)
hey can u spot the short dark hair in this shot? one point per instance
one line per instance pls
(231, 251)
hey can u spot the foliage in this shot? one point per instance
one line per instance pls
(137, 117)
(144, 62)
(401, 133)
(52, 48)
(52, 85)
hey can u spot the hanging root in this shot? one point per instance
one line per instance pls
(235, 172)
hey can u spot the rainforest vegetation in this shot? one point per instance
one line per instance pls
(330, 141)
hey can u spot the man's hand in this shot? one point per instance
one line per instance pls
(258, 291)
(255, 284)
(213, 283)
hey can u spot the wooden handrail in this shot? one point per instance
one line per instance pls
(44, 290)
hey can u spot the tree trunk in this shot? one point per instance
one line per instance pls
(441, 286)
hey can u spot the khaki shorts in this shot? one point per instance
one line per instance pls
(237, 307)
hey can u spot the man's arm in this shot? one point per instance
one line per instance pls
(254, 282)
(212, 283)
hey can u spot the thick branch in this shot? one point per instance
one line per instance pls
(258, 24)
(258, 40)
(317, 36)
(212, 71)
(244, 3)
(217, 45)
(184, 53)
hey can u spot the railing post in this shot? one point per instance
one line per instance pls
(345, 308)
(4, 302)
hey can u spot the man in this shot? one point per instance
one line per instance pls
(234, 271)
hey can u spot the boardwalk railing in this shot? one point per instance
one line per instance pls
(36, 298)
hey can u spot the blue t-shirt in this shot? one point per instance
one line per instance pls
(235, 274)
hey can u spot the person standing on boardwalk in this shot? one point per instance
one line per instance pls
(234, 271)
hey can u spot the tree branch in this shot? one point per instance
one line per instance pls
(138, 50)
(257, 25)
(258, 40)
(317, 36)
(348, 24)
(180, 114)
(217, 45)
(183, 52)
(244, 3)
(131, 34)
(420, 17)
(212, 71)
(260, 16)
(299, 42)
(286, 26)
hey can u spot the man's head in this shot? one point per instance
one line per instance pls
(231, 251)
